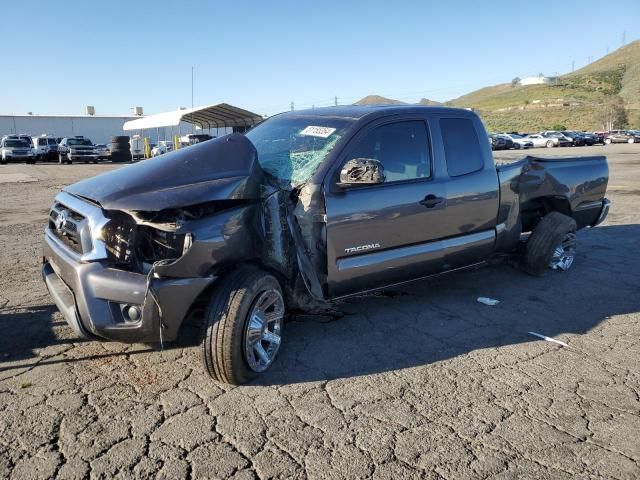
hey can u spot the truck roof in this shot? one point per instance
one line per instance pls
(356, 112)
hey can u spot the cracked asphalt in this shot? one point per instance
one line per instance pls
(421, 381)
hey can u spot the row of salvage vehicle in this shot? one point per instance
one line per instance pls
(16, 148)
(564, 138)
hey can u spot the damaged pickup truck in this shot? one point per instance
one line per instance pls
(307, 208)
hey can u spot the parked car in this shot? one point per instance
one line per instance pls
(540, 140)
(307, 207)
(78, 148)
(193, 138)
(500, 142)
(16, 149)
(621, 136)
(589, 138)
(519, 141)
(45, 147)
(102, 151)
(577, 139)
(600, 136)
(563, 141)
(164, 146)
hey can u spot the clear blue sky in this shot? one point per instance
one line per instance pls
(60, 56)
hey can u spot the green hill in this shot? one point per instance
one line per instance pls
(572, 100)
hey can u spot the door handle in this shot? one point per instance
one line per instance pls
(431, 201)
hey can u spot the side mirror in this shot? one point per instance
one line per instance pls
(361, 171)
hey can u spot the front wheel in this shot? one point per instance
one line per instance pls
(243, 326)
(607, 141)
(631, 140)
(549, 144)
(552, 245)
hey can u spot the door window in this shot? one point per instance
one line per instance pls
(402, 148)
(461, 146)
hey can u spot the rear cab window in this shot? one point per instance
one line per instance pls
(462, 150)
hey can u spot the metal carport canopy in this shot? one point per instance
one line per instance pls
(210, 116)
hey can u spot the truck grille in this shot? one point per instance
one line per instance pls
(66, 225)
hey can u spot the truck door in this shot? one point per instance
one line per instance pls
(472, 188)
(435, 211)
(386, 233)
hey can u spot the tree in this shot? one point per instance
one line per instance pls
(558, 127)
(612, 114)
(515, 81)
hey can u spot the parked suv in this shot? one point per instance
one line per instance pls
(78, 148)
(621, 136)
(46, 148)
(13, 148)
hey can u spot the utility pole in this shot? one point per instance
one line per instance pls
(607, 49)
(292, 105)
(335, 101)
(192, 125)
(573, 65)
(624, 38)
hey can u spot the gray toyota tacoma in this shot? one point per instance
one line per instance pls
(306, 208)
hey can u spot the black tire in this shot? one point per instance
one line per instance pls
(546, 236)
(120, 157)
(222, 348)
(3, 161)
(120, 139)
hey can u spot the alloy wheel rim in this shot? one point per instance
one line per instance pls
(564, 253)
(263, 332)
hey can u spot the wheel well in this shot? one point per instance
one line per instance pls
(533, 210)
(201, 301)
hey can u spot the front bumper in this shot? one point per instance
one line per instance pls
(82, 156)
(91, 296)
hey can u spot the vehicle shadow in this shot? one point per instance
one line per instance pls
(439, 319)
(24, 333)
(426, 322)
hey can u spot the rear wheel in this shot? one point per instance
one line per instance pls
(552, 245)
(607, 141)
(243, 326)
(631, 140)
(549, 144)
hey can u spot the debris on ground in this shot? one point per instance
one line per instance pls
(548, 339)
(488, 301)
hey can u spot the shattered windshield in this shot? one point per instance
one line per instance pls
(291, 149)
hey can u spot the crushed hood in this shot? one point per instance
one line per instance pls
(220, 169)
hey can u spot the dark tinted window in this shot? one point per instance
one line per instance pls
(461, 147)
(402, 148)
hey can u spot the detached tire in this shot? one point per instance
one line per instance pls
(242, 326)
(551, 245)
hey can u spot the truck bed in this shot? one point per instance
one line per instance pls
(575, 186)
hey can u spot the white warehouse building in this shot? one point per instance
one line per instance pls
(216, 120)
(538, 80)
(98, 128)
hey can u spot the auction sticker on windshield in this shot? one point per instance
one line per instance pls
(313, 131)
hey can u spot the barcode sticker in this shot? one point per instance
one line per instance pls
(313, 131)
